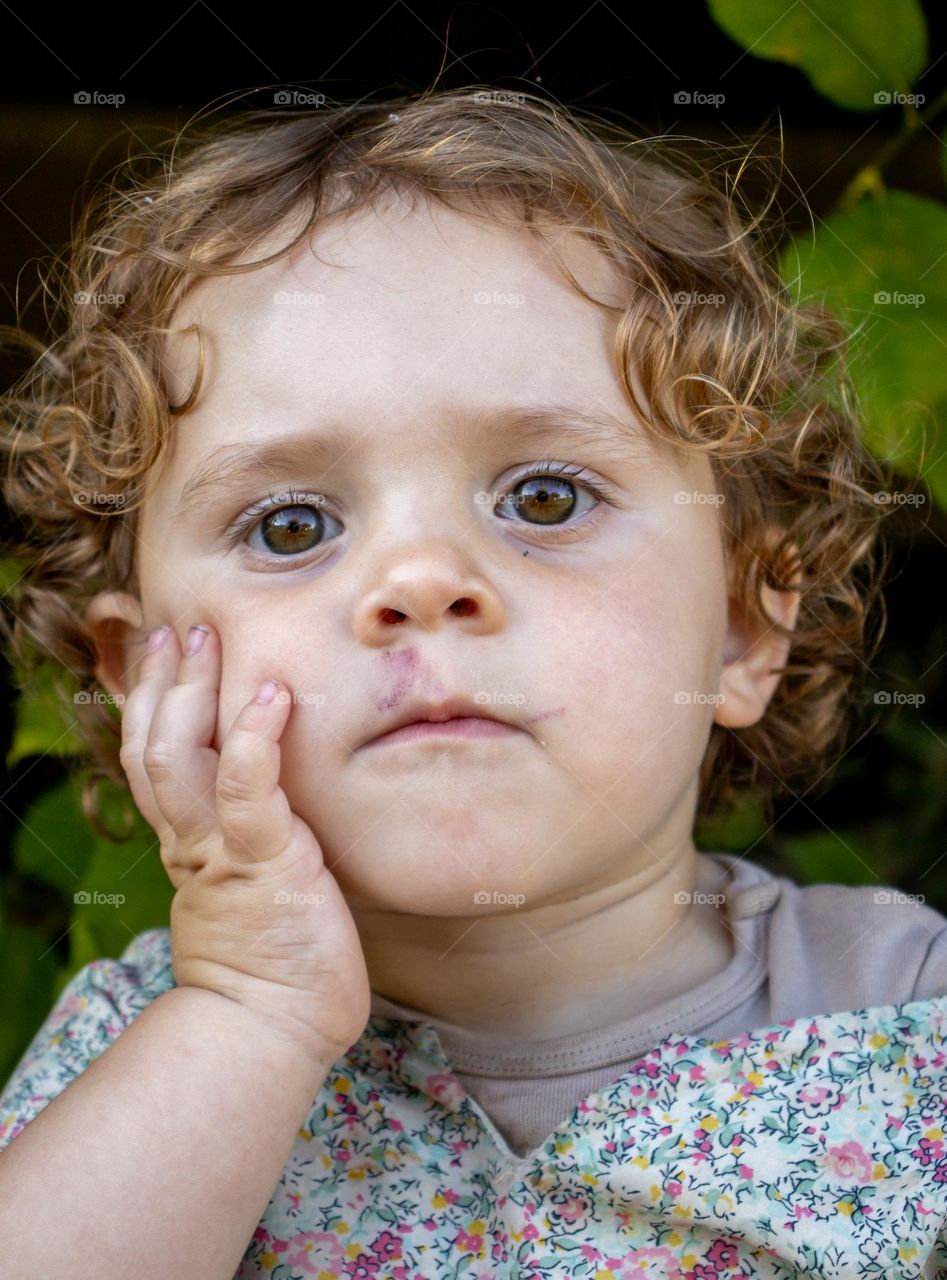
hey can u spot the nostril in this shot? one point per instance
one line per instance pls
(391, 615)
(463, 608)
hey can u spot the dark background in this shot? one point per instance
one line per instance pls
(626, 64)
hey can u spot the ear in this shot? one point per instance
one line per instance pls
(746, 684)
(109, 619)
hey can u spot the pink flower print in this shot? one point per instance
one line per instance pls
(927, 1151)
(312, 1251)
(849, 1162)
(364, 1267)
(387, 1246)
(642, 1264)
(820, 1099)
(568, 1208)
(446, 1089)
(723, 1255)
(674, 1189)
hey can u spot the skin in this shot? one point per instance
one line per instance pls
(588, 810)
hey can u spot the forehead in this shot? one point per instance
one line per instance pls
(382, 317)
(409, 294)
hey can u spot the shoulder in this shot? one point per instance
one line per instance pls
(858, 946)
(93, 1008)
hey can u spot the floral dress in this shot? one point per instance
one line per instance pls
(813, 1147)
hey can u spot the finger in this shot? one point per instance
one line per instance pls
(254, 813)
(155, 669)
(178, 757)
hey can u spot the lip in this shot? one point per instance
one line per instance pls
(455, 717)
(457, 728)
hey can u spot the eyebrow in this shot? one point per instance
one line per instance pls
(598, 430)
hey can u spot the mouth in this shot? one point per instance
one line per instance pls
(458, 728)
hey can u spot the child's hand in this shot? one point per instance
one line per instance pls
(257, 916)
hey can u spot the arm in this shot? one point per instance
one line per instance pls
(160, 1158)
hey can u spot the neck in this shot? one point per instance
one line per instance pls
(561, 967)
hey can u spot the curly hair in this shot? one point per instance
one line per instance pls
(755, 380)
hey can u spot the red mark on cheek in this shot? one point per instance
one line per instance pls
(400, 667)
(544, 715)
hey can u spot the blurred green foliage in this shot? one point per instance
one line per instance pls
(880, 261)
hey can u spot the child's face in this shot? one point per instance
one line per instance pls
(606, 645)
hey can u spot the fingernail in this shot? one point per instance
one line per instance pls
(195, 638)
(157, 638)
(267, 691)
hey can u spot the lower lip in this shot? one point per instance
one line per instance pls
(460, 727)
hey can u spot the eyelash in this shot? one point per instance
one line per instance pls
(280, 500)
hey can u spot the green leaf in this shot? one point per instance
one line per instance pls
(41, 726)
(882, 268)
(850, 52)
(27, 974)
(827, 858)
(124, 890)
(52, 842)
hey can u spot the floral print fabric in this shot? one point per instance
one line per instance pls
(813, 1147)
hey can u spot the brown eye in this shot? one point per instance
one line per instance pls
(548, 500)
(291, 530)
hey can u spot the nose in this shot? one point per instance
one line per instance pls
(426, 587)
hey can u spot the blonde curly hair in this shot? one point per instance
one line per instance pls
(774, 413)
